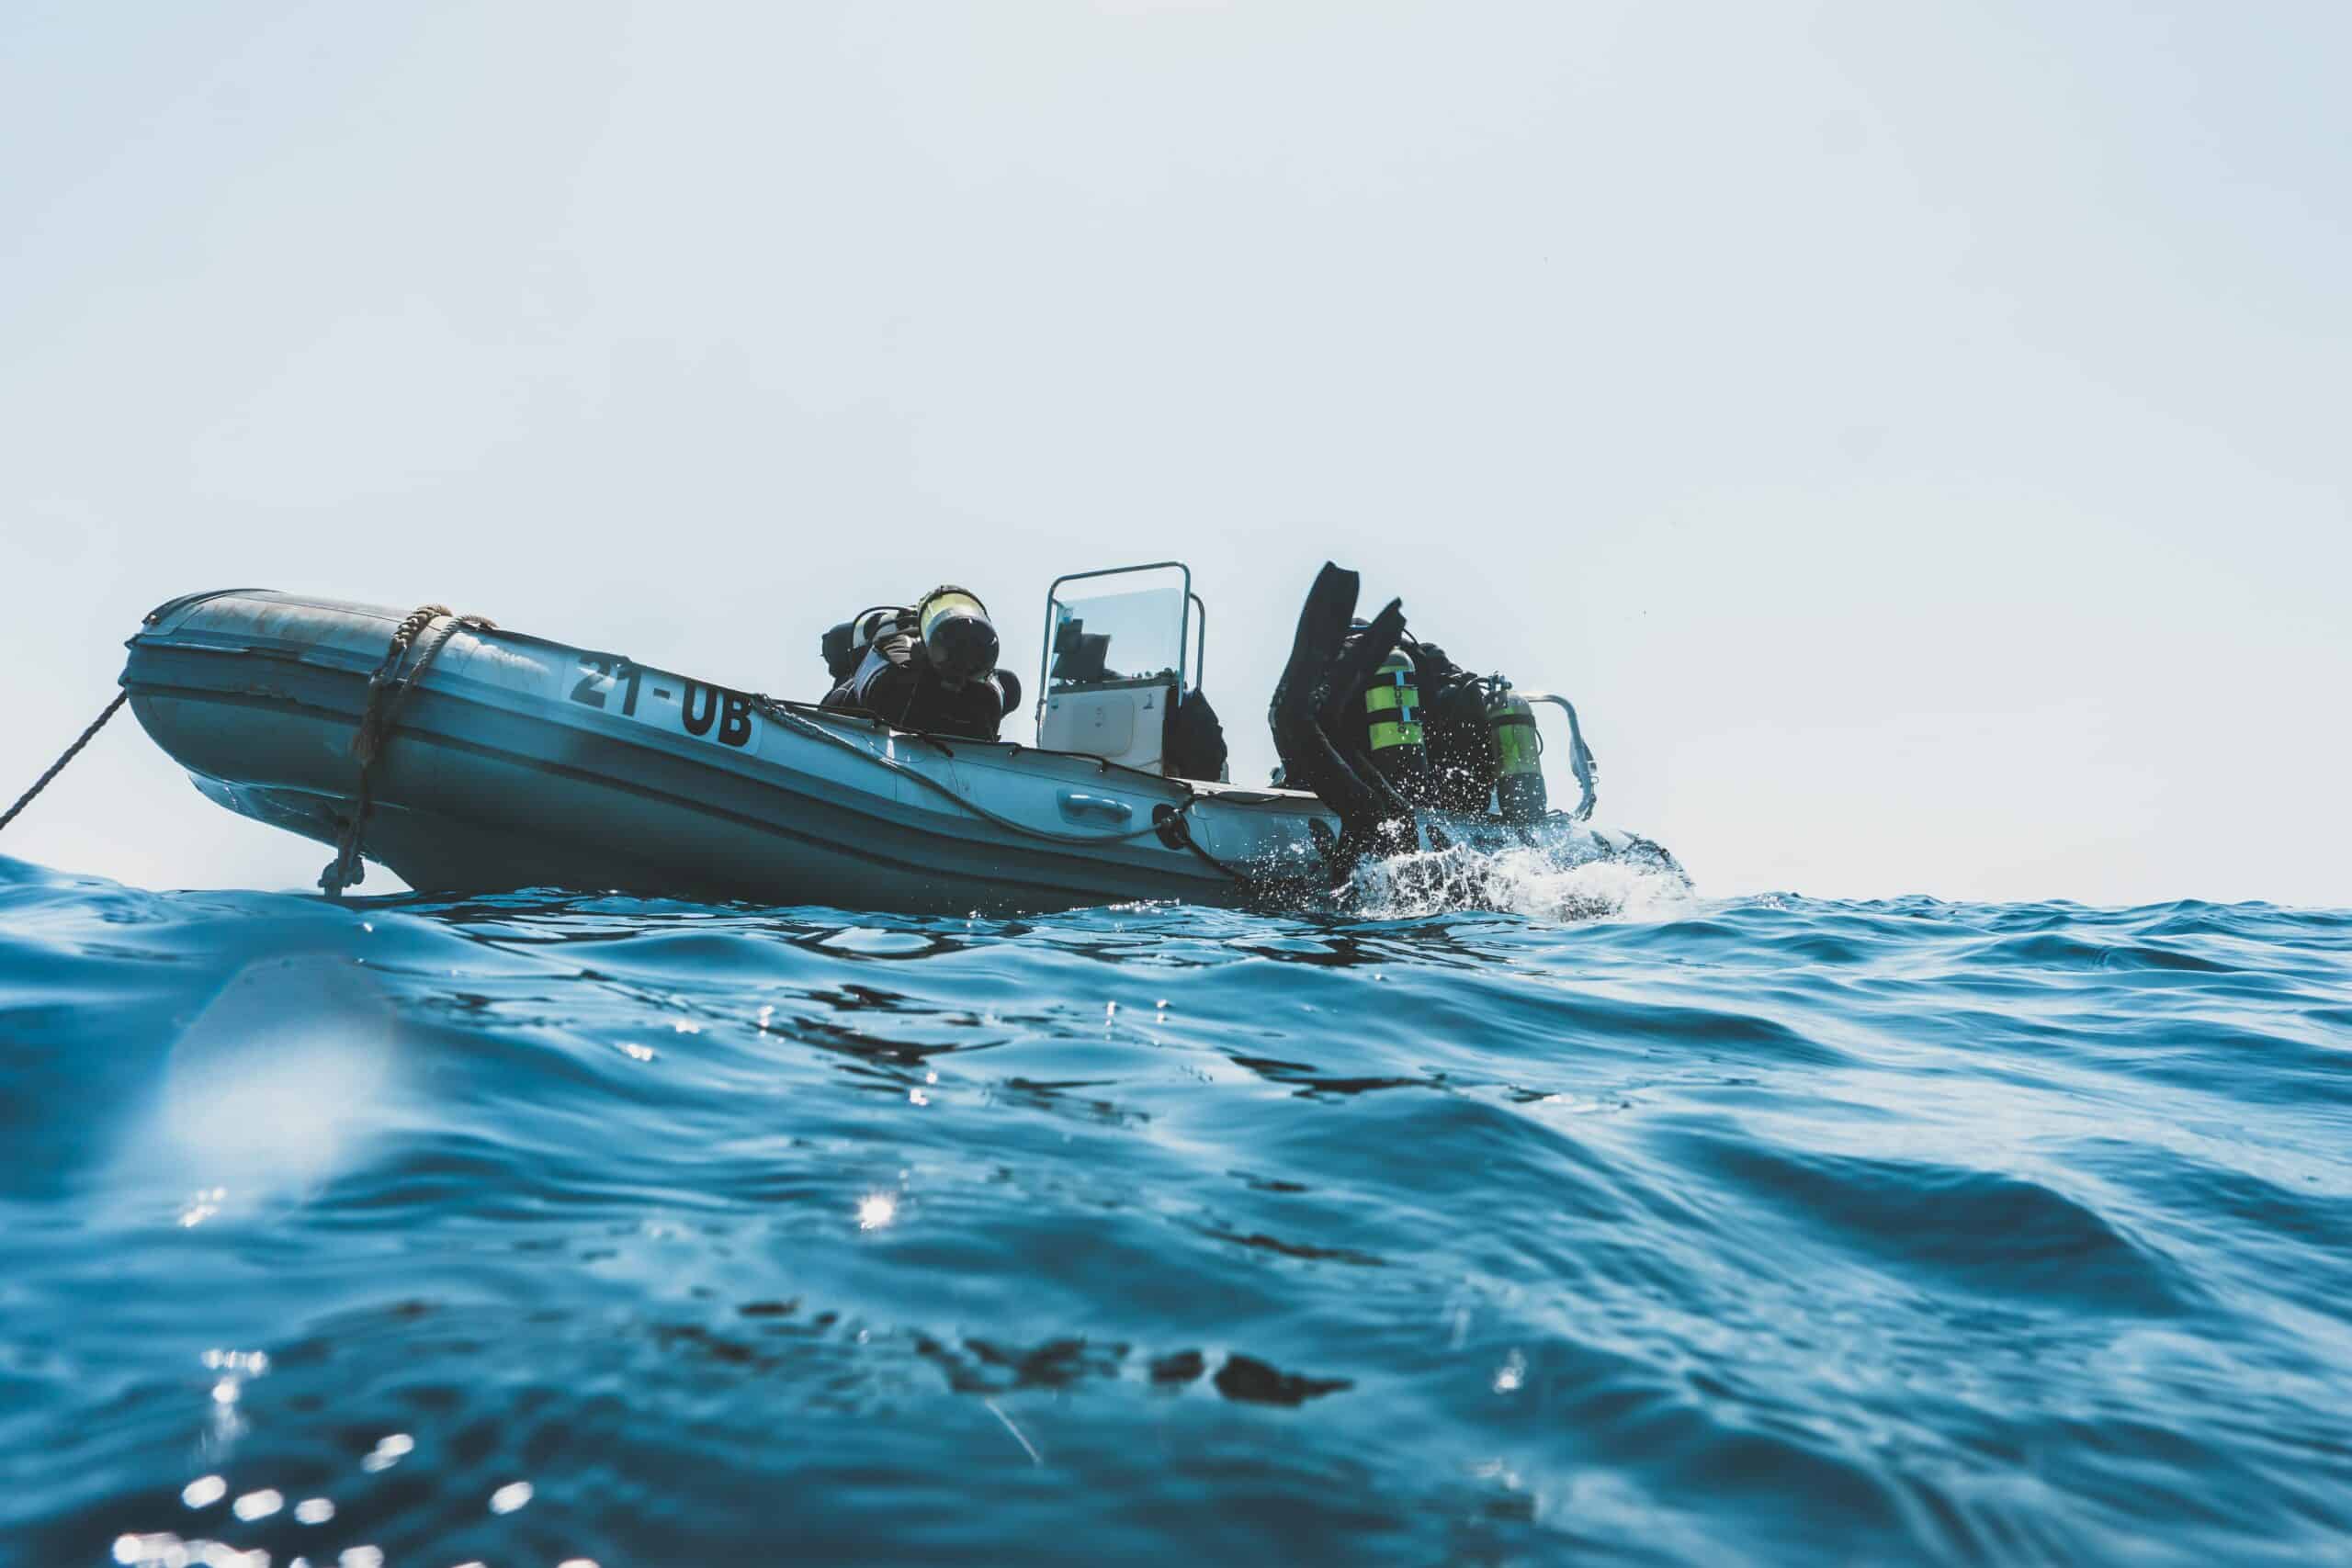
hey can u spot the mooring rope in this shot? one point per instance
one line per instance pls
(72, 751)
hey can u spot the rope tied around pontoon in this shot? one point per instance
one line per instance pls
(72, 751)
(388, 688)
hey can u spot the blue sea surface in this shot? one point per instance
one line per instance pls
(538, 1229)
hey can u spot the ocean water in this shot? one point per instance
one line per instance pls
(1613, 1224)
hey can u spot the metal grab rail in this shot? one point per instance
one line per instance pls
(1184, 625)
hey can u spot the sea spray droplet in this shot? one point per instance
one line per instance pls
(389, 1451)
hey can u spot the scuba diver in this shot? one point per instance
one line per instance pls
(931, 667)
(1382, 727)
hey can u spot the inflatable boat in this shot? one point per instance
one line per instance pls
(470, 758)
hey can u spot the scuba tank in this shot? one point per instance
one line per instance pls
(931, 668)
(1518, 749)
(1392, 712)
(844, 646)
(956, 635)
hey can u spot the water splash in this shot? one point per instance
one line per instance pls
(1565, 873)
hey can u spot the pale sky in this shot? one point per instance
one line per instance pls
(1915, 436)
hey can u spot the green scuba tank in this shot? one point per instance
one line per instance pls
(1392, 711)
(1519, 779)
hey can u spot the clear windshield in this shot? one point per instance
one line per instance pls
(1130, 624)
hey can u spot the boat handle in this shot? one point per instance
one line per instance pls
(1080, 807)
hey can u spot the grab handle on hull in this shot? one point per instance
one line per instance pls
(1078, 806)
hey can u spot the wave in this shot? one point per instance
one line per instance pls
(552, 1226)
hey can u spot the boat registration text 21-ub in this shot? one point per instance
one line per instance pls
(668, 702)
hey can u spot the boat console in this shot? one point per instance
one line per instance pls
(1124, 648)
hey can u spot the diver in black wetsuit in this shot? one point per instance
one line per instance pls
(931, 668)
(1381, 725)
(1317, 718)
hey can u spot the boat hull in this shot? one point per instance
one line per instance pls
(515, 761)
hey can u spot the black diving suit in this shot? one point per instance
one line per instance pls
(931, 668)
(1382, 727)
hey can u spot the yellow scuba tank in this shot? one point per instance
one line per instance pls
(1518, 751)
(931, 668)
(1392, 711)
(956, 635)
